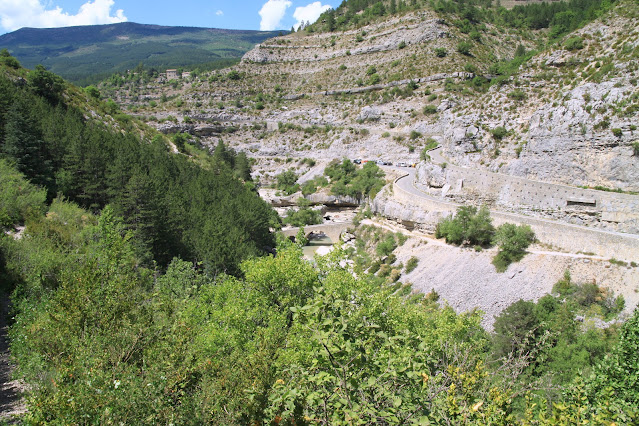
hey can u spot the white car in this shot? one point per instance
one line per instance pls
(401, 164)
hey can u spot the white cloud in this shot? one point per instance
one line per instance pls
(15, 14)
(310, 12)
(272, 13)
(219, 13)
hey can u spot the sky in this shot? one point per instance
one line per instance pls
(263, 15)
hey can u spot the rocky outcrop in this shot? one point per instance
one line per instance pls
(333, 200)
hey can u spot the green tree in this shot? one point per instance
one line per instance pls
(287, 182)
(517, 329)
(513, 240)
(23, 144)
(468, 226)
(330, 20)
(45, 83)
(242, 167)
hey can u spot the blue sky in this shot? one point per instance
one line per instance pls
(233, 14)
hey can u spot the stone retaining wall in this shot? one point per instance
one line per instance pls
(573, 238)
(614, 211)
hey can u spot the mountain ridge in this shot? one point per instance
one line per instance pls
(87, 54)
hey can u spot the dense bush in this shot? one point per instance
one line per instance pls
(574, 43)
(468, 226)
(19, 200)
(287, 182)
(304, 215)
(346, 179)
(499, 132)
(411, 264)
(311, 186)
(464, 48)
(513, 240)
(429, 109)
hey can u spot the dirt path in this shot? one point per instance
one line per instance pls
(11, 402)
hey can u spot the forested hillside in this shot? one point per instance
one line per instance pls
(171, 206)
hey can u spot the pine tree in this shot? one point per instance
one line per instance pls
(242, 167)
(23, 144)
(330, 20)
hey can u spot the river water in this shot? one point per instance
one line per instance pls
(314, 243)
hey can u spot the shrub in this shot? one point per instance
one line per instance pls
(8, 60)
(430, 109)
(310, 187)
(574, 43)
(464, 47)
(401, 45)
(411, 264)
(513, 240)
(414, 134)
(374, 79)
(440, 52)
(386, 246)
(635, 149)
(233, 75)
(287, 182)
(303, 216)
(517, 94)
(468, 226)
(475, 36)
(499, 133)
(617, 132)
(19, 198)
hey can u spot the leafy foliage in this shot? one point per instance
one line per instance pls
(468, 226)
(513, 240)
(19, 199)
(304, 215)
(287, 182)
(346, 179)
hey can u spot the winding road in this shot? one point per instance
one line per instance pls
(407, 184)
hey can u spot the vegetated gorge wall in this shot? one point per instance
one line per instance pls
(399, 204)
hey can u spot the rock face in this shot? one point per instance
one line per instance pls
(385, 205)
(567, 117)
(390, 35)
(565, 145)
(431, 174)
(369, 114)
(333, 200)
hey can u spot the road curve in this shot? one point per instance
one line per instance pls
(407, 183)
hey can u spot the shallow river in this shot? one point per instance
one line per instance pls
(314, 243)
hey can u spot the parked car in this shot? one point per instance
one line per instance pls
(401, 164)
(357, 161)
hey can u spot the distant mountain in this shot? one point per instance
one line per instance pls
(84, 54)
